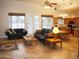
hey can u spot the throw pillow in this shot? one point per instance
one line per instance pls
(24, 30)
(13, 31)
(10, 32)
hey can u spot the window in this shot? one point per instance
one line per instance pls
(16, 20)
(47, 22)
(60, 21)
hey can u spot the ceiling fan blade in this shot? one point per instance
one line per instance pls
(54, 3)
(47, 2)
(50, 4)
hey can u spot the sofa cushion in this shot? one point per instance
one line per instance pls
(18, 30)
(38, 32)
(46, 30)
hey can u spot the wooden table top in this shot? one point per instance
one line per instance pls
(53, 40)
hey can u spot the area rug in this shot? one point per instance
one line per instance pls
(8, 46)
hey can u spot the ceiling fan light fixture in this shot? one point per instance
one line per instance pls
(46, 6)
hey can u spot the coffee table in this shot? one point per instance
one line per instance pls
(53, 42)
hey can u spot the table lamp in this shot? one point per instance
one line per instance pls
(55, 31)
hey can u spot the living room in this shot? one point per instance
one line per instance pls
(34, 13)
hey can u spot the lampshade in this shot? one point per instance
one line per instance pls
(55, 30)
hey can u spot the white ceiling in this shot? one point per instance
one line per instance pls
(61, 4)
(67, 5)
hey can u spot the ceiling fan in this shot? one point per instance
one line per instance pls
(50, 4)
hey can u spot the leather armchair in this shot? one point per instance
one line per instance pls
(42, 35)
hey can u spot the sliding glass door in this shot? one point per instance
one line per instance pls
(33, 23)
